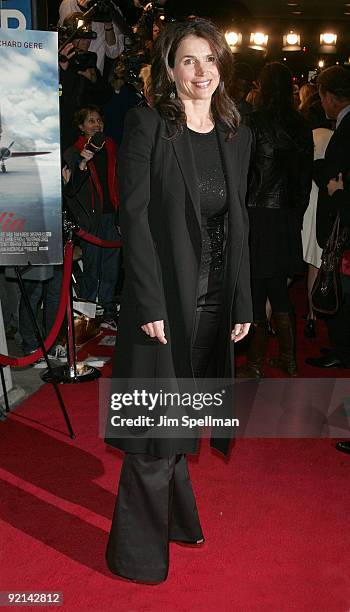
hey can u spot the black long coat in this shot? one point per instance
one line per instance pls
(161, 226)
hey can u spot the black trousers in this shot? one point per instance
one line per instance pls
(274, 288)
(339, 331)
(155, 501)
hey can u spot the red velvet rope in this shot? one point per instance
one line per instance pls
(5, 360)
(98, 241)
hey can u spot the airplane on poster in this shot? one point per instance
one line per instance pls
(6, 152)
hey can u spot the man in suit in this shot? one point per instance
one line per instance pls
(334, 89)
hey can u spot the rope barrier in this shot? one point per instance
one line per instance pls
(6, 360)
(98, 241)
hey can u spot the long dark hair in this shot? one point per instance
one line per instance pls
(275, 88)
(223, 108)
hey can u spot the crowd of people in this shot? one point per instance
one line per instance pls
(297, 181)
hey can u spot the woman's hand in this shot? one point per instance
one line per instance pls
(66, 174)
(67, 53)
(87, 156)
(155, 330)
(335, 184)
(240, 331)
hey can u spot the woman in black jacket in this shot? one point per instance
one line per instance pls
(278, 195)
(186, 299)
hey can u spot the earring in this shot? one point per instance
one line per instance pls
(172, 95)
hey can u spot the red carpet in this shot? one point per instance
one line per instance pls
(275, 517)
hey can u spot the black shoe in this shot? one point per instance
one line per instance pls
(326, 361)
(344, 447)
(310, 328)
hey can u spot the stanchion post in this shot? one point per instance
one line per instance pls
(71, 352)
(69, 373)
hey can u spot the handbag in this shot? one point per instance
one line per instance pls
(326, 291)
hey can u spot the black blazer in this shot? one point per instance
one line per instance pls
(337, 159)
(160, 220)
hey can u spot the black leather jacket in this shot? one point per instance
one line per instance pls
(282, 161)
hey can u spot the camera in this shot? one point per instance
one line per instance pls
(103, 11)
(136, 54)
(65, 32)
(83, 60)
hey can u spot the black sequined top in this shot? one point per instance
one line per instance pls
(213, 201)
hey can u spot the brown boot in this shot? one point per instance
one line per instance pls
(256, 353)
(286, 335)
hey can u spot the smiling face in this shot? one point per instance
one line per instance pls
(92, 124)
(195, 73)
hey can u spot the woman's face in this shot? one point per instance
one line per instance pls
(92, 124)
(195, 73)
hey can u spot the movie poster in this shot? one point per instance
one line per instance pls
(30, 177)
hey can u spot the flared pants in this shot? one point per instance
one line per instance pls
(155, 502)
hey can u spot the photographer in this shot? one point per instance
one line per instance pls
(92, 195)
(81, 81)
(109, 41)
(125, 96)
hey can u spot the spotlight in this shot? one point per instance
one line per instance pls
(234, 40)
(231, 38)
(328, 42)
(291, 41)
(328, 38)
(258, 40)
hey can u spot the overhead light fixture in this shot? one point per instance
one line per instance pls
(291, 41)
(328, 42)
(258, 40)
(234, 40)
(328, 38)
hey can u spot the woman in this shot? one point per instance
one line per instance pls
(306, 95)
(183, 172)
(311, 249)
(279, 189)
(314, 115)
(93, 196)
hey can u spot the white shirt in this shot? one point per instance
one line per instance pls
(97, 45)
(342, 114)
